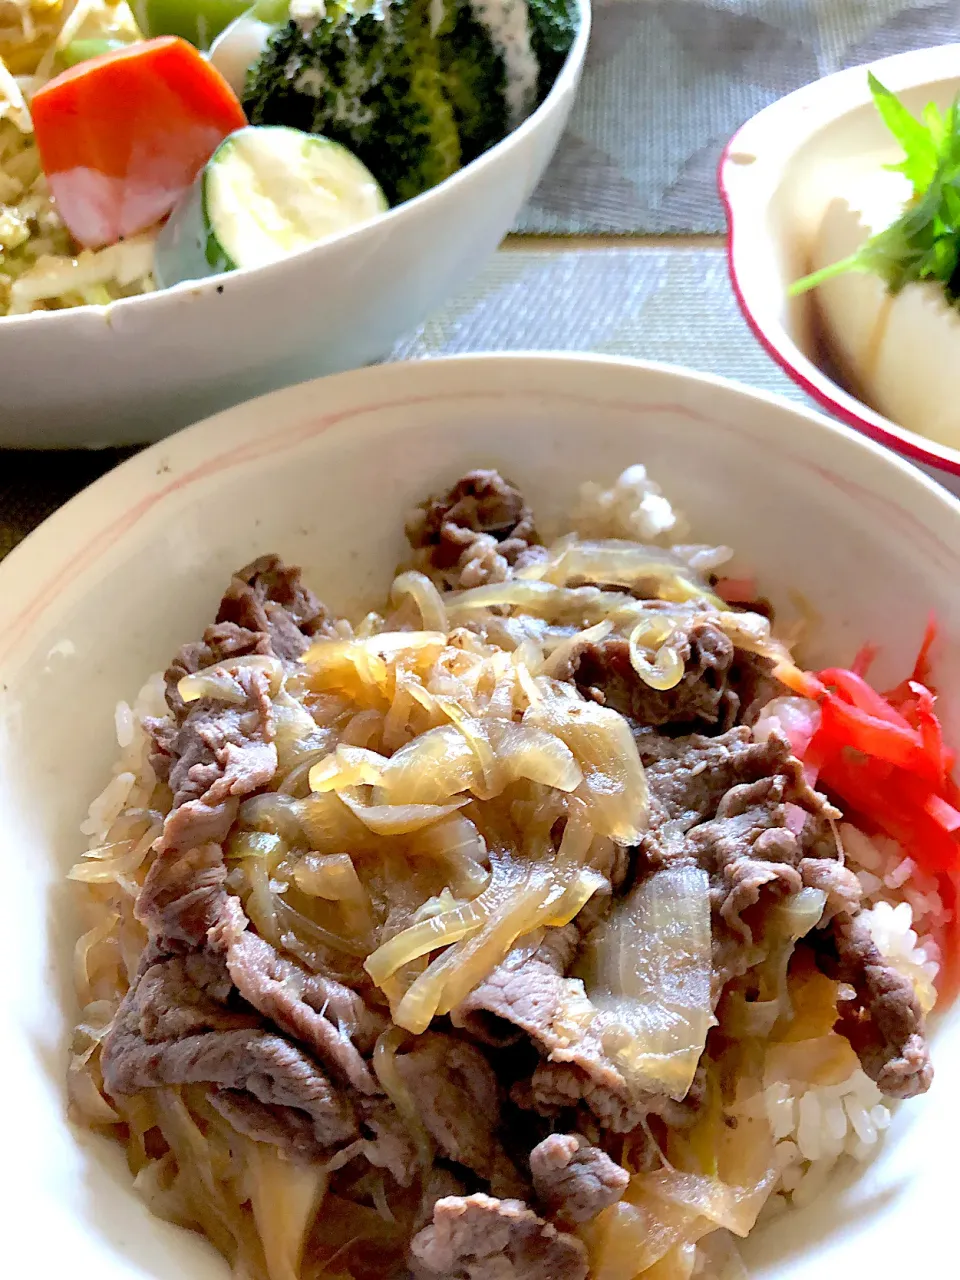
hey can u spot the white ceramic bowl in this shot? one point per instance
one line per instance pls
(105, 591)
(142, 367)
(777, 176)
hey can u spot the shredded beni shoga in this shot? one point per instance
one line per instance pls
(505, 932)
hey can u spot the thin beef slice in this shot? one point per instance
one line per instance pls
(170, 1031)
(574, 1180)
(479, 1237)
(475, 533)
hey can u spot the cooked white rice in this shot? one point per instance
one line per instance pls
(633, 507)
(132, 782)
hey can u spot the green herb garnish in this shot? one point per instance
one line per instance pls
(924, 242)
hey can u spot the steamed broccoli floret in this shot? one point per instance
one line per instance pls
(371, 81)
(413, 100)
(553, 29)
(475, 79)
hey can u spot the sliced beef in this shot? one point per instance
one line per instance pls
(220, 643)
(723, 802)
(475, 532)
(594, 1087)
(269, 598)
(574, 1180)
(387, 1144)
(183, 898)
(439, 1183)
(839, 883)
(481, 1238)
(456, 1095)
(751, 678)
(602, 670)
(266, 610)
(221, 753)
(531, 996)
(170, 1031)
(315, 1009)
(293, 1131)
(744, 812)
(750, 849)
(528, 995)
(884, 1022)
(184, 995)
(689, 776)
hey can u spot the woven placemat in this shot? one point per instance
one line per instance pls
(669, 304)
(668, 81)
(660, 304)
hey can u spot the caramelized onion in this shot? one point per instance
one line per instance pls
(334, 878)
(385, 1068)
(614, 785)
(396, 819)
(330, 826)
(511, 903)
(734, 1207)
(428, 935)
(347, 767)
(272, 812)
(456, 842)
(430, 769)
(285, 1196)
(296, 734)
(648, 967)
(419, 588)
(668, 667)
(616, 562)
(360, 668)
(84, 952)
(128, 858)
(86, 1100)
(292, 921)
(542, 599)
(218, 683)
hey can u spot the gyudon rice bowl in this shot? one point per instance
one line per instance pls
(550, 923)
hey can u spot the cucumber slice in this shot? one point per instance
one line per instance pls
(265, 192)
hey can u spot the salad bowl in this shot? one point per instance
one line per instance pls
(138, 368)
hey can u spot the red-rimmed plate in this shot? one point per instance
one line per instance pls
(777, 176)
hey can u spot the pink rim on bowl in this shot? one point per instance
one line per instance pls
(754, 166)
